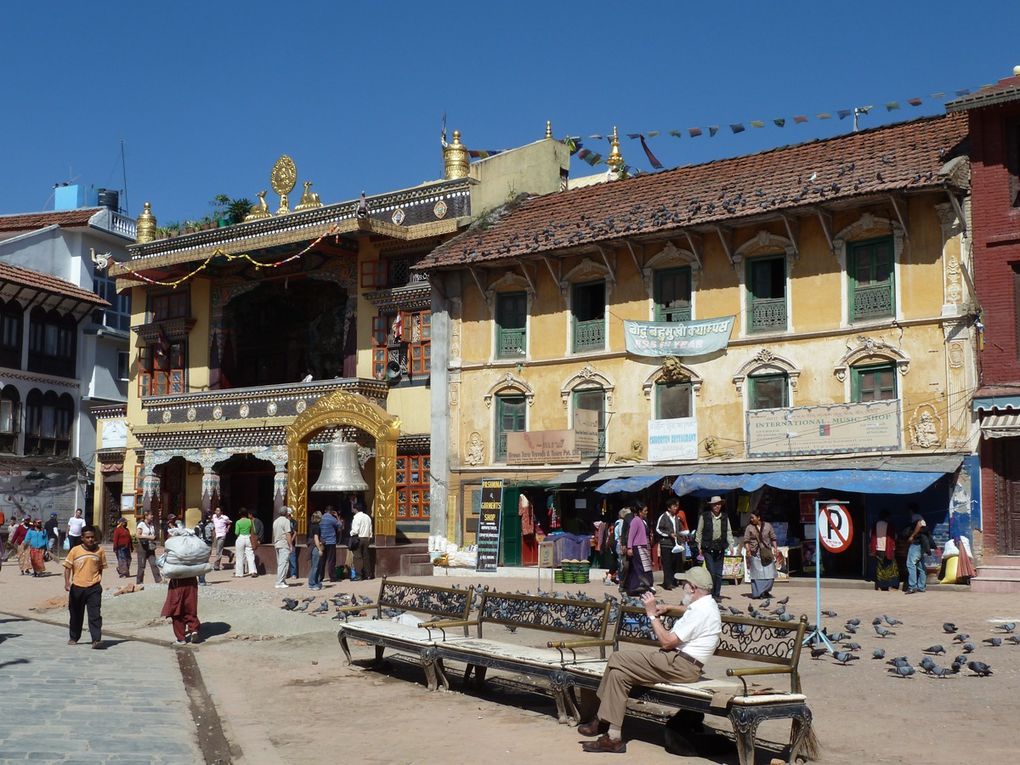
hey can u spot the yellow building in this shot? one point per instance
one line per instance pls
(257, 344)
(843, 264)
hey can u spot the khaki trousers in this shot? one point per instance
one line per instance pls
(626, 669)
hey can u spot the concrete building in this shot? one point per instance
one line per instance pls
(811, 337)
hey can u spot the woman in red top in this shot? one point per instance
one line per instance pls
(122, 547)
(883, 550)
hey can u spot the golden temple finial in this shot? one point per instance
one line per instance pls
(309, 199)
(283, 178)
(615, 159)
(145, 226)
(455, 159)
(548, 128)
(259, 210)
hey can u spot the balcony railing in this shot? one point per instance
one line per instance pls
(768, 313)
(589, 335)
(873, 301)
(510, 343)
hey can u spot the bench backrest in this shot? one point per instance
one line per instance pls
(765, 640)
(448, 602)
(584, 618)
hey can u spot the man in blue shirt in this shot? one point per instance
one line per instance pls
(329, 532)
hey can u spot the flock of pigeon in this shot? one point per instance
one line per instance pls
(340, 600)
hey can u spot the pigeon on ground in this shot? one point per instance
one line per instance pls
(308, 600)
(968, 648)
(289, 604)
(961, 659)
(979, 668)
(1008, 626)
(784, 601)
(899, 661)
(323, 607)
(961, 638)
(782, 610)
(845, 657)
(817, 653)
(787, 617)
(948, 627)
(902, 670)
(995, 642)
(830, 614)
(882, 631)
(767, 603)
(851, 646)
(891, 621)
(877, 620)
(945, 671)
(934, 649)
(838, 637)
(1013, 639)
(852, 629)
(854, 622)
(927, 664)
(735, 611)
(878, 653)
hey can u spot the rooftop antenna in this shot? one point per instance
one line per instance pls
(123, 168)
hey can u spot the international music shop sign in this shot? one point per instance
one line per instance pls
(835, 429)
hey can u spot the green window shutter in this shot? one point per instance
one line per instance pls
(671, 294)
(511, 321)
(510, 416)
(870, 276)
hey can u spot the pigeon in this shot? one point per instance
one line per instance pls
(961, 659)
(323, 607)
(891, 621)
(851, 646)
(935, 649)
(845, 657)
(787, 618)
(899, 661)
(945, 671)
(1013, 639)
(995, 642)
(882, 631)
(830, 614)
(766, 603)
(979, 668)
(850, 628)
(289, 604)
(855, 622)
(302, 607)
(902, 670)
(878, 653)
(961, 638)
(948, 627)
(735, 611)
(782, 610)
(968, 647)
(838, 637)
(817, 653)
(308, 600)
(1008, 626)
(877, 620)
(927, 664)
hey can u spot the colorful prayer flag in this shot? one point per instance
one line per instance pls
(757, 124)
(914, 101)
(844, 113)
(737, 127)
(694, 132)
(712, 130)
(779, 122)
(799, 118)
(676, 133)
(892, 106)
(648, 153)
(824, 116)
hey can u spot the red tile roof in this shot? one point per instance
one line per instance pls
(1001, 92)
(30, 221)
(47, 283)
(898, 157)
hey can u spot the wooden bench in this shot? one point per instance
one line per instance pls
(775, 645)
(587, 621)
(399, 635)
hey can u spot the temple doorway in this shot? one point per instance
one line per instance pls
(247, 482)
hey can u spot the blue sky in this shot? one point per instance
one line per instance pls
(207, 95)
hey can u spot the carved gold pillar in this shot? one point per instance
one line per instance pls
(297, 483)
(384, 511)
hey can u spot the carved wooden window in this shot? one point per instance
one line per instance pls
(511, 323)
(510, 418)
(870, 271)
(876, 382)
(770, 391)
(402, 344)
(162, 368)
(373, 274)
(413, 498)
(48, 421)
(672, 294)
(766, 294)
(672, 400)
(588, 309)
(170, 305)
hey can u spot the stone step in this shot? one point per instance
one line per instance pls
(998, 572)
(1000, 586)
(416, 564)
(1009, 561)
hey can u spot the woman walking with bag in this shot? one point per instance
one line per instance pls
(761, 548)
(122, 548)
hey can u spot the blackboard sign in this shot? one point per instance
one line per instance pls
(488, 526)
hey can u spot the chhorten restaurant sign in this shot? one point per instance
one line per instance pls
(677, 338)
(835, 429)
(540, 447)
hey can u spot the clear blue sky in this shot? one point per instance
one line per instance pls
(207, 95)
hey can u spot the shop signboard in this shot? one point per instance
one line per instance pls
(541, 447)
(677, 338)
(489, 516)
(834, 429)
(673, 439)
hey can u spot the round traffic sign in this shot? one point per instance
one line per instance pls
(835, 529)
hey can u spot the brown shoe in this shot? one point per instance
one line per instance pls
(72, 642)
(97, 644)
(605, 744)
(593, 727)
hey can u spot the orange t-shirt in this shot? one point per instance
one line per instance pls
(86, 567)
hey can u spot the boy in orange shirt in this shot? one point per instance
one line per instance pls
(83, 579)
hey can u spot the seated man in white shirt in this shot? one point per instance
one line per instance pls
(685, 648)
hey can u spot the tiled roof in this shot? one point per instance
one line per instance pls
(898, 157)
(999, 93)
(29, 221)
(47, 283)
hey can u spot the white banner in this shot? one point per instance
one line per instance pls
(675, 439)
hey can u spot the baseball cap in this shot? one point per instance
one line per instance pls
(699, 577)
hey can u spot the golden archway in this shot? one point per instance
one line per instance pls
(341, 408)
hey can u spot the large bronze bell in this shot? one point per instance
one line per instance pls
(340, 469)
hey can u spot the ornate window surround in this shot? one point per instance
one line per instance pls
(671, 256)
(870, 350)
(585, 378)
(509, 282)
(868, 226)
(676, 373)
(510, 382)
(587, 270)
(764, 243)
(766, 362)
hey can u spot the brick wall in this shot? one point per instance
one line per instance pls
(996, 230)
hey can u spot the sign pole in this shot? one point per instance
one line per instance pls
(817, 635)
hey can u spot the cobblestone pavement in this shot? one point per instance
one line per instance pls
(71, 704)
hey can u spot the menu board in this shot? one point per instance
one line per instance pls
(489, 516)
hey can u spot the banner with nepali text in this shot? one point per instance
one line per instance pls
(677, 338)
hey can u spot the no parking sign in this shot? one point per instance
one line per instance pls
(835, 528)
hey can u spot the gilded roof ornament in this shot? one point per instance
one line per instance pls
(145, 226)
(309, 199)
(455, 159)
(615, 159)
(548, 129)
(259, 210)
(283, 178)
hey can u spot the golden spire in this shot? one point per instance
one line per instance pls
(145, 226)
(615, 160)
(455, 159)
(548, 128)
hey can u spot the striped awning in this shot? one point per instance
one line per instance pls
(1001, 425)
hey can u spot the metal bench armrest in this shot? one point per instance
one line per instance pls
(742, 672)
(450, 623)
(570, 645)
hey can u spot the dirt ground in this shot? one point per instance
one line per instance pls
(285, 695)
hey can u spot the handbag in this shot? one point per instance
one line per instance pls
(254, 540)
(354, 543)
(67, 544)
(765, 554)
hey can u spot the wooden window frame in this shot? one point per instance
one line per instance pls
(754, 380)
(503, 330)
(501, 402)
(866, 248)
(163, 378)
(857, 375)
(661, 386)
(603, 420)
(409, 509)
(678, 309)
(753, 300)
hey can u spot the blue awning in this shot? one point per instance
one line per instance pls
(629, 485)
(863, 481)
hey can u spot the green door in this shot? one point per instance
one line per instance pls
(510, 531)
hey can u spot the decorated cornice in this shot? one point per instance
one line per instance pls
(110, 412)
(172, 329)
(414, 296)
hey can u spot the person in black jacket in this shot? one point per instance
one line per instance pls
(714, 537)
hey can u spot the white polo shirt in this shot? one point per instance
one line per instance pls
(699, 628)
(75, 526)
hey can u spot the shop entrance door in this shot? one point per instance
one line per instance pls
(510, 531)
(1008, 499)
